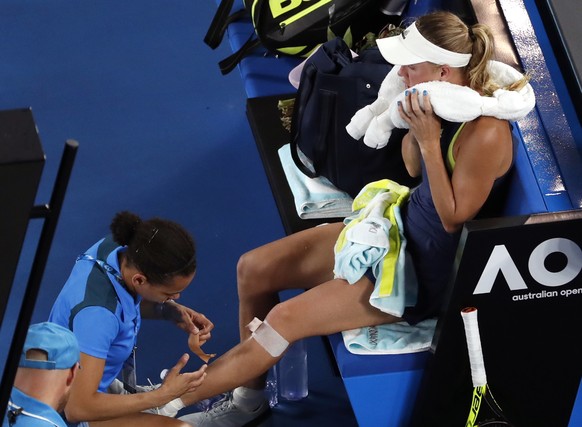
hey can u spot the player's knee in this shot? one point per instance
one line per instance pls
(252, 272)
(246, 272)
(282, 315)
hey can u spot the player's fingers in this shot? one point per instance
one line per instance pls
(403, 112)
(414, 102)
(426, 102)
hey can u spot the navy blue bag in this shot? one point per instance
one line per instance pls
(333, 86)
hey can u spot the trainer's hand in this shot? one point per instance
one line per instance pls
(176, 384)
(195, 346)
(203, 326)
(189, 320)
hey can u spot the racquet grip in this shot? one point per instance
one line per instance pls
(478, 375)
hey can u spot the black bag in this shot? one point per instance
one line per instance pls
(291, 27)
(333, 86)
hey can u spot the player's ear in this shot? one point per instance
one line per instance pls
(445, 72)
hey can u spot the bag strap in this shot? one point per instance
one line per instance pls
(228, 63)
(328, 102)
(221, 20)
(305, 88)
(330, 55)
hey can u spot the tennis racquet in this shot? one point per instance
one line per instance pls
(481, 391)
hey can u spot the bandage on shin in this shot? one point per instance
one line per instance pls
(267, 337)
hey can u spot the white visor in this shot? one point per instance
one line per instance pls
(411, 47)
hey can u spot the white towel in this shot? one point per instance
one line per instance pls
(451, 102)
(314, 197)
(393, 338)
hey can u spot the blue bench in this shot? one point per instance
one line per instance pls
(394, 380)
(382, 389)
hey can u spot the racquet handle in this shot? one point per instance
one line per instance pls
(478, 375)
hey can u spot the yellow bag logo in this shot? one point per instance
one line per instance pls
(279, 7)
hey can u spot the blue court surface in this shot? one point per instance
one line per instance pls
(161, 133)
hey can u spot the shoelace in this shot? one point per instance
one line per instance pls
(146, 388)
(216, 406)
(152, 386)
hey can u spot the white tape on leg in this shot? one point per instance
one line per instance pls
(267, 337)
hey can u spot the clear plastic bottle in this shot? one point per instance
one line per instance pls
(293, 381)
(271, 388)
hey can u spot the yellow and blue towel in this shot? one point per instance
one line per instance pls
(373, 238)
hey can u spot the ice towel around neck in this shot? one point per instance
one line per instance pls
(450, 102)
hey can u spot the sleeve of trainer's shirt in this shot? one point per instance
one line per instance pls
(96, 329)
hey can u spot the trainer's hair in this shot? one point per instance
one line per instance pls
(448, 31)
(159, 248)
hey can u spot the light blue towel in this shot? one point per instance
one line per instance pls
(367, 244)
(314, 197)
(394, 338)
(355, 259)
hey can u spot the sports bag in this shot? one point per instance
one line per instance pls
(333, 86)
(289, 27)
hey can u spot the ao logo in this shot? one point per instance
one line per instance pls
(500, 261)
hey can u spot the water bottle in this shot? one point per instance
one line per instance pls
(293, 372)
(271, 389)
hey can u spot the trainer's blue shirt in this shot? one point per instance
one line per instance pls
(34, 412)
(100, 311)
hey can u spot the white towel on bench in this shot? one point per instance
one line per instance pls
(314, 197)
(394, 338)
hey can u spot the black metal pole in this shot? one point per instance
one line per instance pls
(51, 218)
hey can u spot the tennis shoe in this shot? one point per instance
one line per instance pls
(116, 387)
(225, 413)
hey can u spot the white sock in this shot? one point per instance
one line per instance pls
(247, 399)
(177, 403)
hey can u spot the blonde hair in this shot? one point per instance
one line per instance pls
(448, 31)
